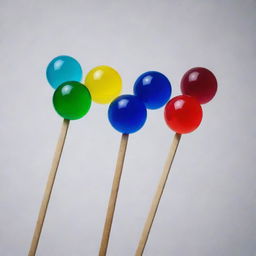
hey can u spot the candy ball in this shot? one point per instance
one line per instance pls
(72, 100)
(127, 114)
(183, 114)
(62, 69)
(104, 84)
(153, 88)
(199, 83)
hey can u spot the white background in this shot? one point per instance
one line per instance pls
(208, 206)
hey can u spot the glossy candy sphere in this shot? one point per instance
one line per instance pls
(127, 114)
(153, 88)
(72, 100)
(183, 114)
(199, 83)
(62, 69)
(104, 84)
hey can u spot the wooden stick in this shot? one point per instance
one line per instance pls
(48, 189)
(158, 195)
(113, 195)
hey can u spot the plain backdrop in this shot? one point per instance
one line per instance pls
(208, 207)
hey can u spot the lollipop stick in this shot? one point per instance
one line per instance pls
(113, 195)
(48, 189)
(158, 194)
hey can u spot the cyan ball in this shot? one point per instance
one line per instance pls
(127, 114)
(62, 69)
(153, 88)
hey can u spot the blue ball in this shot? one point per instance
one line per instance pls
(63, 69)
(127, 114)
(153, 88)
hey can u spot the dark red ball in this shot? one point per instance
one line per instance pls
(199, 83)
(183, 114)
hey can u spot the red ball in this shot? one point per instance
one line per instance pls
(183, 114)
(199, 83)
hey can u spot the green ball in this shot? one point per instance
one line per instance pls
(72, 100)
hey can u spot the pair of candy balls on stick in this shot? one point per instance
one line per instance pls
(183, 114)
(72, 100)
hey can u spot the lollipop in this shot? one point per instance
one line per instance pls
(71, 101)
(153, 88)
(62, 69)
(183, 114)
(104, 84)
(199, 83)
(127, 114)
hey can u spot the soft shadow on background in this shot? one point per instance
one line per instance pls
(208, 207)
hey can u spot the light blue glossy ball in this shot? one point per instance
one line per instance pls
(62, 69)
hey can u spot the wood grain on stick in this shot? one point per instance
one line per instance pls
(113, 195)
(48, 189)
(158, 195)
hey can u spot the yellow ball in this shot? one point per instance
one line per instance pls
(104, 84)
